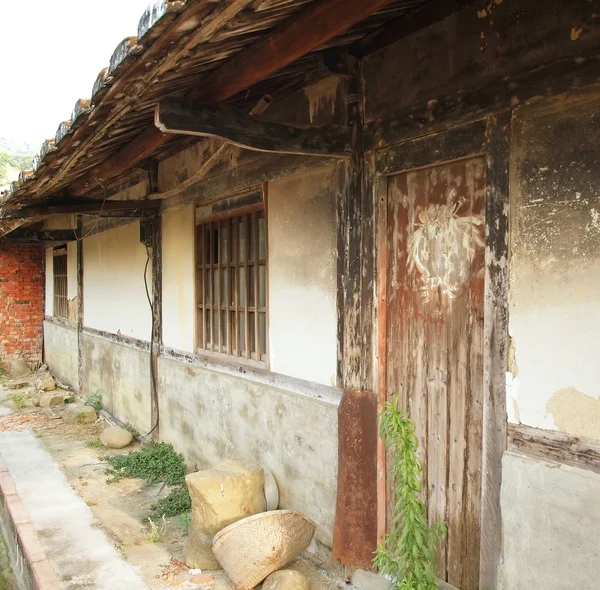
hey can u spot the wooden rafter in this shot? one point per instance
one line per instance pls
(148, 140)
(28, 235)
(93, 207)
(193, 118)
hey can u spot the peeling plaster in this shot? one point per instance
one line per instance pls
(575, 413)
(322, 96)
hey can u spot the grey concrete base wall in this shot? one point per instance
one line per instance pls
(551, 520)
(211, 415)
(60, 352)
(122, 376)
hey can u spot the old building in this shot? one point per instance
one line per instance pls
(272, 216)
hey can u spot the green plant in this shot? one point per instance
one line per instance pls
(95, 401)
(408, 555)
(94, 443)
(156, 533)
(177, 502)
(19, 401)
(185, 521)
(156, 462)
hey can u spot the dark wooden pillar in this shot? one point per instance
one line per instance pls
(156, 319)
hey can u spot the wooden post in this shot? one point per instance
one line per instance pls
(79, 305)
(156, 318)
(495, 346)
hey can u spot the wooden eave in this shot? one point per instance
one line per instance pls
(179, 46)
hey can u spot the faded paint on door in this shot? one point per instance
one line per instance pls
(435, 287)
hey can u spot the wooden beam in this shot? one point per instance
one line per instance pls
(420, 18)
(94, 207)
(551, 445)
(42, 235)
(193, 118)
(302, 34)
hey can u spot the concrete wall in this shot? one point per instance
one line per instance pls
(211, 413)
(302, 276)
(113, 274)
(178, 281)
(551, 518)
(122, 376)
(60, 352)
(555, 267)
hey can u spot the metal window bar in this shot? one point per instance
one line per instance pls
(231, 276)
(61, 298)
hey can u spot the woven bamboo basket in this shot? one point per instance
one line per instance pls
(254, 547)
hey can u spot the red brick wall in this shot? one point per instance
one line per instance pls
(21, 302)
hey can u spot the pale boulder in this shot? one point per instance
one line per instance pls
(79, 414)
(115, 437)
(220, 496)
(286, 580)
(50, 400)
(45, 383)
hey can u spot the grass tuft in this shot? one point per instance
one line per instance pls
(19, 401)
(94, 443)
(177, 502)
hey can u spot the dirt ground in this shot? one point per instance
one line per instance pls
(121, 508)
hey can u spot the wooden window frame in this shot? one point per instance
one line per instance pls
(233, 342)
(60, 305)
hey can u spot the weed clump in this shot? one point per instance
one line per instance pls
(155, 463)
(19, 401)
(177, 502)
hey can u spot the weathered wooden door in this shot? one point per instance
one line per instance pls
(435, 288)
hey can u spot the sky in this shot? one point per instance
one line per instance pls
(51, 53)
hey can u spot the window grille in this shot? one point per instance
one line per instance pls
(61, 299)
(231, 285)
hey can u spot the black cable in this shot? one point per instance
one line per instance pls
(152, 374)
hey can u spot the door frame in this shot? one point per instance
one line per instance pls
(490, 137)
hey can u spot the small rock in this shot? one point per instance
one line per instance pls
(35, 400)
(116, 437)
(286, 580)
(49, 400)
(17, 384)
(79, 414)
(45, 383)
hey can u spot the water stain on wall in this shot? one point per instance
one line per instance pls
(575, 413)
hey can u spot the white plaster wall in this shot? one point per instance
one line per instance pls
(49, 281)
(554, 316)
(178, 278)
(113, 289)
(302, 276)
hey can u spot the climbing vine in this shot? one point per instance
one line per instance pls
(408, 555)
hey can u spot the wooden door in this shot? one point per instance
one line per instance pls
(434, 330)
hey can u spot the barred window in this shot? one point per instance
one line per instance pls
(61, 299)
(231, 284)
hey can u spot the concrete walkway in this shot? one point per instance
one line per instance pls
(80, 553)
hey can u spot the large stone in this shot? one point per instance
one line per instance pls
(79, 414)
(220, 496)
(286, 580)
(45, 383)
(49, 400)
(115, 437)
